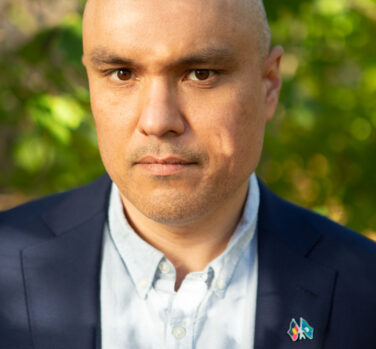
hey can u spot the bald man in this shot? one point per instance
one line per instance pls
(180, 245)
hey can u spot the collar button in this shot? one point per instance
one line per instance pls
(164, 267)
(221, 284)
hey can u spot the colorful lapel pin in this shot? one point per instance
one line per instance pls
(303, 331)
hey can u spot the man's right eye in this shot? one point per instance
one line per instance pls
(122, 74)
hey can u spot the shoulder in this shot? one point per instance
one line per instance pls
(25, 224)
(331, 243)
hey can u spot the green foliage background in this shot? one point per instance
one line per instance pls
(320, 149)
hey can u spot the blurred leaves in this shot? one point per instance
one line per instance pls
(58, 115)
(47, 136)
(320, 149)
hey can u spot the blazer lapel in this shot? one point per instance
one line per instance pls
(62, 274)
(290, 284)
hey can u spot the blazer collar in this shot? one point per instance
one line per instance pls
(290, 284)
(62, 274)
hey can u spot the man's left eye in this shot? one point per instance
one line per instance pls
(200, 74)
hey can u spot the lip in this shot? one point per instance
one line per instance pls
(166, 166)
(170, 160)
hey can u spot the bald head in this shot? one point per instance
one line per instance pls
(251, 11)
(260, 25)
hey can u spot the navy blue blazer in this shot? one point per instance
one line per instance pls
(309, 267)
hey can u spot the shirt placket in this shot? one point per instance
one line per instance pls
(181, 307)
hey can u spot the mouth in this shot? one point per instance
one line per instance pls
(166, 166)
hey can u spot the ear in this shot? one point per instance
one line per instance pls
(272, 80)
(83, 61)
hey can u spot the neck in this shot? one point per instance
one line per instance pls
(193, 246)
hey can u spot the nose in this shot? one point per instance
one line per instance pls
(160, 114)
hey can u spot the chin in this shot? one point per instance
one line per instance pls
(173, 212)
(173, 208)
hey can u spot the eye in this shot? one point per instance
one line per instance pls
(122, 74)
(200, 74)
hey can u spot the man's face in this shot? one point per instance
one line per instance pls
(180, 99)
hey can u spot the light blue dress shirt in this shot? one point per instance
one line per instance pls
(213, 308)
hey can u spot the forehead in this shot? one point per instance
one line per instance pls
(166, 27)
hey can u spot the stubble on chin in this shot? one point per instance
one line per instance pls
(178, 205)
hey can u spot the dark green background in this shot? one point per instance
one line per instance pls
(320, 149)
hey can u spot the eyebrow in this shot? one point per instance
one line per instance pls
(102, 56)
(208, 55)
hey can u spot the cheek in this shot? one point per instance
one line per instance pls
(232, 131)
(108, 109)
(113, 124)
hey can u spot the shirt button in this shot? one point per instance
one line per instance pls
(179, 332)
(221, 284)
(164, 267)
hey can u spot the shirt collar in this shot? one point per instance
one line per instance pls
(142, 260)
(244, 234)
